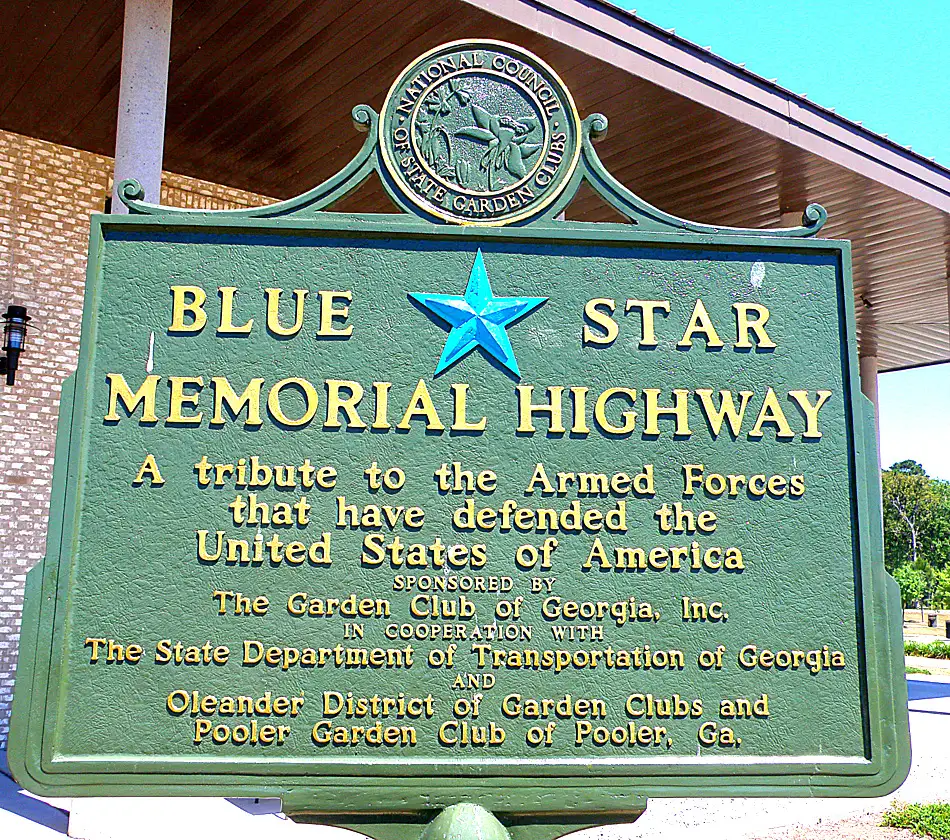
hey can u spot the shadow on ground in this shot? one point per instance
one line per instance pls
(15, 801)
(920, 690)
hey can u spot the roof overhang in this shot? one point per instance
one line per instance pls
(260, 95)
(641, 49)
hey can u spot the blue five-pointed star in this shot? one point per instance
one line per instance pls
(477, 319)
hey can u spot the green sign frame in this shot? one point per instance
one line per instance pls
(538, 798)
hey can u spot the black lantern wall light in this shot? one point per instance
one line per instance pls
(15, 325)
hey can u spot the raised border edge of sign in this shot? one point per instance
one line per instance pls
(349, 801)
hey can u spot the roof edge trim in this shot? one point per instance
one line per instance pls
(618, 37)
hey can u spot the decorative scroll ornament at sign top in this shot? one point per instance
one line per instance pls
(479, 133)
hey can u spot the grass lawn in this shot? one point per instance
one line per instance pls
(934, 650)
(924, 820)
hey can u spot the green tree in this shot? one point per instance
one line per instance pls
(941, 590)
(916, 518)
(912, 582)
(908, 467)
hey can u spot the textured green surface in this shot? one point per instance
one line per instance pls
(121, 560)
(795, 593)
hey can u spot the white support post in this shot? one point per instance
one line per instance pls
(868, 368)
(143, 86)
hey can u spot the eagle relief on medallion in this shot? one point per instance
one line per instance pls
(480, 133)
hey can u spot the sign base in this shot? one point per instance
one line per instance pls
(464, 821)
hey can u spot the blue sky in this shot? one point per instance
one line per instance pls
(886, 64)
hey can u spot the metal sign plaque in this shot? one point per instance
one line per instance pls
(385, 514)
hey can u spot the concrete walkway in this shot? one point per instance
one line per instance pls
(23, 817)
(751, 819)
(937, 667)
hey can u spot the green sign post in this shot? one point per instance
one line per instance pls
(465, 507)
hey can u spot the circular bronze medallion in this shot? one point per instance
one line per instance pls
(480, 133)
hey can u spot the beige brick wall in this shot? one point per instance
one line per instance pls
(46, 195)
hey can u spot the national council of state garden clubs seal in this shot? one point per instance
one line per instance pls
(480, 132)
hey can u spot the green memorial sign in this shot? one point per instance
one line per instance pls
(464, 505)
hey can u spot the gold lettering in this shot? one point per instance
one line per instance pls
(654, 411)
(227, 325)
(810, 411)
(421, 405)
(310, 397)
(599, 311)
(328, 313)
(629, 416)
(526, 409)
(145, 395)
(539, 477)
(380, 418)
(459, 421)
(273, 313)
(224, 394)
(648, 310)
(771, 412)
(149, 468)
(727, 409)
(179, 399)
(745, 324)
(700, 322)
(182, 305)
(337, 403)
